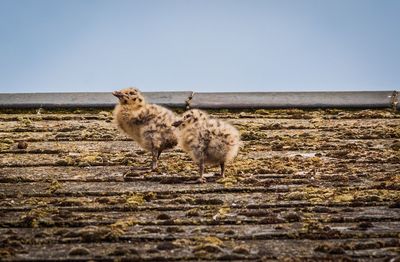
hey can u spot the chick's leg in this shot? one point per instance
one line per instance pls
(202, 179)
(222, 169)
(155, 155)
(159, 153)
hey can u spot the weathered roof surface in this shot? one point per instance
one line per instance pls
(320, 184)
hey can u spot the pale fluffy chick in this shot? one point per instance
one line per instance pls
(208, 141)
(148, 124)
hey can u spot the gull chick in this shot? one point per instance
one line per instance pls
(148, 124)
(208, 141)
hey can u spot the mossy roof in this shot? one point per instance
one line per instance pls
(307, 184)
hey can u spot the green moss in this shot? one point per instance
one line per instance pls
(205, 245)
(67, 161)
(8, 141)
(263, 111)
(118, 228)
(6, 144)
(99, 234)
(341, 195)
(135, 199)
(222, 213)
(54, 186)
(194, 212)
(38, 216)
(252, 135)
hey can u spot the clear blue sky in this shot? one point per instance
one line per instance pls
(200, 45)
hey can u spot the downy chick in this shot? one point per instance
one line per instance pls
(148, 124)
(208, 141)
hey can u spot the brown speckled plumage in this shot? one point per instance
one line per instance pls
(206, 140)
(148, 124)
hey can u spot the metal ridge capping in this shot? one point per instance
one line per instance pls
(361, 99)
(85, 100)
(356, 99)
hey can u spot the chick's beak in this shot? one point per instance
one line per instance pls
(177, 123)
(117, 94)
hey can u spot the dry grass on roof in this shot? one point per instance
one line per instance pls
(307, 184)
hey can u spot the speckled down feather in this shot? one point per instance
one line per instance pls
(148, 124)
(206, 140)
